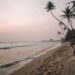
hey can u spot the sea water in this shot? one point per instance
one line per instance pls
(14, 55)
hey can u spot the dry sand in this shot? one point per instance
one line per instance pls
(59, 61)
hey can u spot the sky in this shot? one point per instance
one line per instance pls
(27, 20)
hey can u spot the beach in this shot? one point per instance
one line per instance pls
(59, 61)
(34, 40)
(13, 59)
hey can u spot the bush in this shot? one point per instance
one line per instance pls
(70, 36)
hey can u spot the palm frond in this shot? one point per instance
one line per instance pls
(73, 3)
(62, 16)
(68, 13)
(50, 6)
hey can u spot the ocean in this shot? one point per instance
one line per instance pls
(15, 55)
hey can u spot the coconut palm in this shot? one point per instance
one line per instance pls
(68, 14)
(50, 6)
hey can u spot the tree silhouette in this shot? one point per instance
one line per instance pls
(50, 6)
(73, 4)
(68, 14)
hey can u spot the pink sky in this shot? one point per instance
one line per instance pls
(28, 20)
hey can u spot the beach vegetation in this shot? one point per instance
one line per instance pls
(69, 14)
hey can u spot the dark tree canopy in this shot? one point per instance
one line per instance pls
(50, 6)
(70, 35)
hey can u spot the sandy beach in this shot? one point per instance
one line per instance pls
(59, 61)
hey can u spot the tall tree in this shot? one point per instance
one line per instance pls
(68, 14)
(50, 6)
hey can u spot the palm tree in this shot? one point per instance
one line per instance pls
(50, 6)
(68, 14)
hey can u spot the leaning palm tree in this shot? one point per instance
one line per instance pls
(68, 14)
(50, 6)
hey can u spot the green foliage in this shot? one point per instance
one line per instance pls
(69, 14)
(73, 4)
(50, 6)
(70, 35)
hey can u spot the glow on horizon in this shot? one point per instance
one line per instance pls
(28, 20)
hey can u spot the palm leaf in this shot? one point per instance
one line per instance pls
(50, 6)
(73, 3)
(68, 13)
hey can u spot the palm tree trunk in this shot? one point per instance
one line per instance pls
(59, 20)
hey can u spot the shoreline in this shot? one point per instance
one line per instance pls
(53, 62)
(37, 56)
(30, 59)
(39, 50)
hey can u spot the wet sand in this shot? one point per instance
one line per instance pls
(59, 61)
